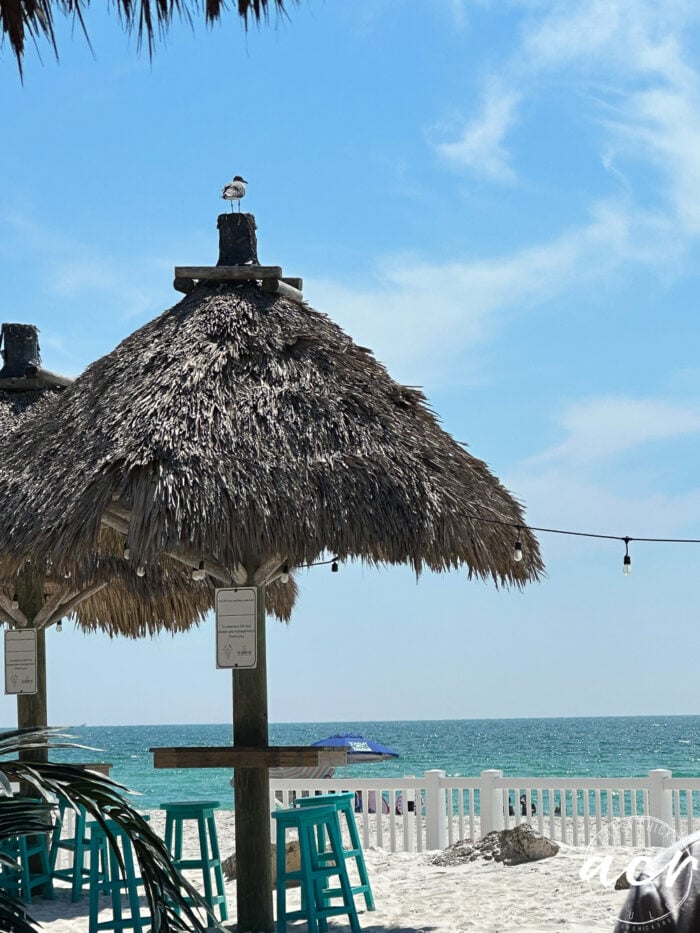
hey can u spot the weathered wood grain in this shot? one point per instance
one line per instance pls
(226, 756)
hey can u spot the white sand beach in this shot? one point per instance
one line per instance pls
(414, 896)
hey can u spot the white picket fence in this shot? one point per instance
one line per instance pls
(433, 811)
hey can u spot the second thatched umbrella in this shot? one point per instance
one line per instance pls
(101, 589)
(246, 432)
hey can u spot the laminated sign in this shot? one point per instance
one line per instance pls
(236, 627)
(20, 661)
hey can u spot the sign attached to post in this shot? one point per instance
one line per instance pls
(20, 661)
(237, 627)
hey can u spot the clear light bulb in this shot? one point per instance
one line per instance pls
(627, 565)
(284, 575)
(518, 551)
(200, 573)
(127, 553)
(59, 626)
(141, 571)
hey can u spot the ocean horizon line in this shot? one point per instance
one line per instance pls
(355, 722)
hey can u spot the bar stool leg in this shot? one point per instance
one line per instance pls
(204, 850)
(98, 870)
(337, 850)
(281, 874)
(218, 871)
(358, 855)
(25, 877)
(309, 888)
(134, 905)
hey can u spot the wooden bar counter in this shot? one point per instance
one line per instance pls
(227, 756)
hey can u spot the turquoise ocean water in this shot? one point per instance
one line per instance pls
(596, 747)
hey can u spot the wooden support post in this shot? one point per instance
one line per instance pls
(252, 792)
(32, 709)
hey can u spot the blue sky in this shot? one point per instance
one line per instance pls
(502, 200)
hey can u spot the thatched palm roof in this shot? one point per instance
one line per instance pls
(121, 601)
(118, 600)
(249, 428)
(109, 596)
(13, 406)
(33, 19)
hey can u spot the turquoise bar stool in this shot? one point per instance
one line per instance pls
(209, 860)
(344, 804)
(317, 869)
(73, 840)
(23, 879)
(106, 878)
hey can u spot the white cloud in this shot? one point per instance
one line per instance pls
(606, 37)
(420, 317)
(633, 56)
(602, 428)
(630, 60)
(581, 485)
(568, 500)
(480, 147)
(665, 125)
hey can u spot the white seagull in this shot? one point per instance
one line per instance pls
(234, 190)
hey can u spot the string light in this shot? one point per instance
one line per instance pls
(627, 560)
(140, 571)
(127, 553)
(518, 548)
(200, 573)
(334, 567)
(284, 576)
(59, 626)
(323, 563)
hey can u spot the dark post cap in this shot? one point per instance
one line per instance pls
(238, 245)
(20, 351)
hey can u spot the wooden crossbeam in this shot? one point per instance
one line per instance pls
(271, 277)
(228, 273)
(117, 516)
(280, 287)
(227, 756)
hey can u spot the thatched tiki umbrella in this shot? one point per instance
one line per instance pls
(246, 431)
(23, 385)
(103, 590)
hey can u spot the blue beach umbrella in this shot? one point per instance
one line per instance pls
(358, 748)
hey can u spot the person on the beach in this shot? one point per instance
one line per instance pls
(523, 806)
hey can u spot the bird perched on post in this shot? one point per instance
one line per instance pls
(234, 190)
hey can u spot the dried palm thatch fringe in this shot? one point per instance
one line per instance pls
(34, 19)
(240, 425)
(122, 603)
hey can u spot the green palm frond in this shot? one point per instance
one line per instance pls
(14, 917)
(171, 899)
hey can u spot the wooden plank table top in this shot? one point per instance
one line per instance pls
(228, 756)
